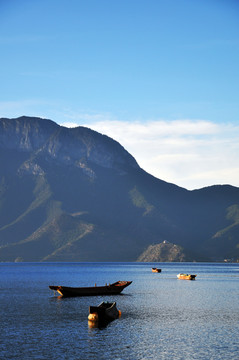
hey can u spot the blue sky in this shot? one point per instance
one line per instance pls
(159, 76)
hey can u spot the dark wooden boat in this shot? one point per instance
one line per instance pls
(156, 270)
(186, 276)
(105, 312)
(111, 289)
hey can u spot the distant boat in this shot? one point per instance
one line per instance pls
(105, 312)
(111, 289)
(156, 270)
(186, 276)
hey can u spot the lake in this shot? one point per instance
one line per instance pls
(162, 317)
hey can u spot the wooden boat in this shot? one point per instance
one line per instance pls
(156, 270)
(186, 276)
(105, 312)
(111, 289)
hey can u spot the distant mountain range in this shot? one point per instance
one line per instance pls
(73, 194)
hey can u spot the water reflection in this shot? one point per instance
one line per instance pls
(98, 324)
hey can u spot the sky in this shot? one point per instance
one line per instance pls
(159, 76)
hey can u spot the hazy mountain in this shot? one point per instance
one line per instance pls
(77, 195)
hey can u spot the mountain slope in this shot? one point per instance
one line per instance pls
(164, 251)
(77, 195)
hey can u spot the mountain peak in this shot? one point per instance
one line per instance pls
(77, 146)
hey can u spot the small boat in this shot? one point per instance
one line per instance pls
(156, 270)
(103, 313)
(186, 276)
(111, 289)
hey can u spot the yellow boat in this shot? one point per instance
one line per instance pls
(186, 276)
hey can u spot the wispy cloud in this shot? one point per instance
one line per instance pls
(189, 153)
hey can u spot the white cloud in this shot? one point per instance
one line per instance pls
(70, 124)
(189, 153)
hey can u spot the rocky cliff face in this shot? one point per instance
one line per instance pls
(76, 146)
(25, 135)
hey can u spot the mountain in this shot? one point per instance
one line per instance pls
(165, 252)
(77, 195)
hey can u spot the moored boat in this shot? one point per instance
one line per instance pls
(156, 270)
(110, 289)
(186, 276)
(104, 312)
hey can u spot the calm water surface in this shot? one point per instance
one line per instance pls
(162, 317)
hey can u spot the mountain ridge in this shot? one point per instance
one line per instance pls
(80, 179)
